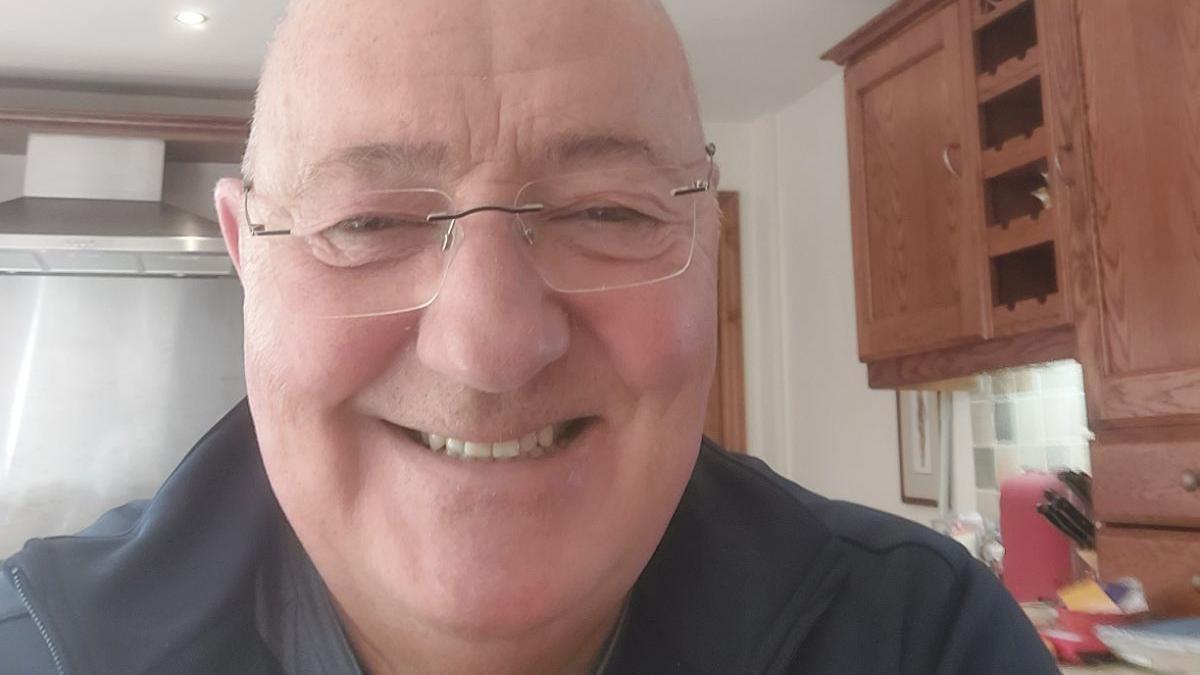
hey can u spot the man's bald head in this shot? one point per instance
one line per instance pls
(349, 55)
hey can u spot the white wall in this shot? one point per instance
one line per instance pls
(745, 154)
(841, 436)
(763, 294)
(810, 413)
(12, 176)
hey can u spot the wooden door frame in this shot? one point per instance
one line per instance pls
(726, 423)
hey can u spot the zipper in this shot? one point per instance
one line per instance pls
(14, 572)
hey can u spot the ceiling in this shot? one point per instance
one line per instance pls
(750, 56)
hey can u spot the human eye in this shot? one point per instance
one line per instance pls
(602, 215)
(375, 238)
(614, 214)
(371, 223)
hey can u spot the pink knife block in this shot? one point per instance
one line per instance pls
(1038, 559)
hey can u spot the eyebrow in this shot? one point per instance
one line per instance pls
(599, 146)
(417, 159)
(431, 158)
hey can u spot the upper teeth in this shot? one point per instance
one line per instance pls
(532, 445)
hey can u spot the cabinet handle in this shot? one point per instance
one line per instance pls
(946, 160)
(1190, 481)
(1196, 582)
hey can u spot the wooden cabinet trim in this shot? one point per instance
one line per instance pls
(188, 138)
(882, 28)
(167, 127)
(910, 371)
(726, 420)
(1063, 112)
(1165, 397)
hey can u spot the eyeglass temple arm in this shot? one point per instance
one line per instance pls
(257, 229)
(700, 185)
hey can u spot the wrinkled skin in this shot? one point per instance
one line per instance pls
(438, 565)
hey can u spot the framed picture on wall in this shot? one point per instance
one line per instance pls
(920, 446)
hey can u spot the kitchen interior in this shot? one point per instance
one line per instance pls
(960, 278)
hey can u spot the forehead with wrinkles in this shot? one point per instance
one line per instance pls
(477, 77)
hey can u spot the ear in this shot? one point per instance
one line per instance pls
(230, 196)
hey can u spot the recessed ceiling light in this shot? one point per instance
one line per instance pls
(191, 18)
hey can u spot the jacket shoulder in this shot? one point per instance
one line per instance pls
(930, 606)
(874, 534)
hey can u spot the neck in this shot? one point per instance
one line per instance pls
(566, 647)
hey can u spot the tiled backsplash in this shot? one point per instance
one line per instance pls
(1027, 418)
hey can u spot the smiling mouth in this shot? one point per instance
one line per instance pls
(545, 442)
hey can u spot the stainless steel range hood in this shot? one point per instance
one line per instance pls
(92, 206)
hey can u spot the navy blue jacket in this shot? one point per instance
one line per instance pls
(754, 575)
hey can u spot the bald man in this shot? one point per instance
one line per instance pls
(478, 244)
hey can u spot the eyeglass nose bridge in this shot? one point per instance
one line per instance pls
(454, 217)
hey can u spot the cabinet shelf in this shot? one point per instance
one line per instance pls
(1018, 112)
(1028, 314)
(1016, 153)
(1020, 234)
(1001, 9)
(1010, 75)
(1024, 275)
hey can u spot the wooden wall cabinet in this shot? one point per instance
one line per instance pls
(916, 275)
(1137, 296)
(1093, 108)
(961, 206)
(1021, 168)
(1139, 302)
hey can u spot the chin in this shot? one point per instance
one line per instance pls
(488, 557)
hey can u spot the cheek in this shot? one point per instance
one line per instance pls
(661, 339)
(314, 362)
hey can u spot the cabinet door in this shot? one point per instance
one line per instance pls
(914, 183)
(1138, 307)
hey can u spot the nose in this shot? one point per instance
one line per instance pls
(495, 325)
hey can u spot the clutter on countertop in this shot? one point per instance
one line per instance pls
(1164, 646)
(1070, 628)
(1124, 596)
(1043, 549)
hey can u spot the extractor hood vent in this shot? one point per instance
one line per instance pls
(93, 207)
